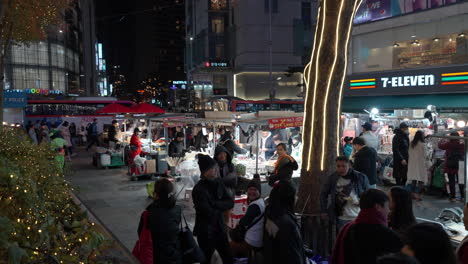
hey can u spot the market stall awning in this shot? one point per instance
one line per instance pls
(356, 104)
(145, 108)
(114, 108)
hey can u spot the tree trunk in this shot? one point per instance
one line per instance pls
(2, 85)
(324, 78)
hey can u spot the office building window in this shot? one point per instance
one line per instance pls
(217, 25)
(219, 84)
(57, 55)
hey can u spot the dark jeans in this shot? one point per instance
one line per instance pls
(400, 173)
(93, 140)
(453, 178)
(220, 243)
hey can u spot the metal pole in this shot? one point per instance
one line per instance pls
(270, 51)
(185, 138)
(214, 138)
(258, 147)
(166, 138)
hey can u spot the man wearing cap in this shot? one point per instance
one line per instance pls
(251, 223)
(400, 146)
(369, 137)
(365, 161)
(211, 199)
(176, 148)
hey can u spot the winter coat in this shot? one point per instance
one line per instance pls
(270, 145)
(226, 170)
(365, 161)
(328, 191)
(176, 149)
(400, 145)
(201, 141)
(282, 241)
(164, 224)
(112, 134)
(66, 135)
(232, 147)
(347, 150)
(450, 147)
(210, 199)
(364, 243)
(371, 140)
(417, 169)
(284, 170)
(135, 141)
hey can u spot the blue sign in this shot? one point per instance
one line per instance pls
(14, 99)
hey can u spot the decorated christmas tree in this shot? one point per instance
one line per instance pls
(39, 222)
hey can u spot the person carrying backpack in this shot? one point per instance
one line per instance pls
(453, 155)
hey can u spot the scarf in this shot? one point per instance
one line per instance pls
(368, 217)
(278, 161)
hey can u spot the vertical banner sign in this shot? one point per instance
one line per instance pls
(278, 123)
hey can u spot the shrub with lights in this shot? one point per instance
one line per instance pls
(39, 222)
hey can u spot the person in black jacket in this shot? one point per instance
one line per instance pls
(282, 241)
(176, 148)
(400, 147)
(164, 223)
(228, 142)
(211, 199)
(112, 134)
(201, 141)
(365, 161)
(226, 168)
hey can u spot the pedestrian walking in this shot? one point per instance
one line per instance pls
(454, 150)
(226, 169)
(339, 197)
(58, 145)
(429, 244)
(369, 137)
(348, 147)
(462, 250)
(163, 220)
(44, 133)
(418, 163)
(32, 134)
(65, 132)
(211, 199)
(93, 134)
(367, 238)
(400, 145)
(284, 166)
(365, 161)
(248, 234)
(283, 242)
(401, 210)
(73, 133)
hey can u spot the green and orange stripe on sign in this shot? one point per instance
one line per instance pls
(362, 84)
(455, 78)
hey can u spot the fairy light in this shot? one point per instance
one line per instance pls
(315, 84)
(327, 91)
(307, 70)
(338, 120)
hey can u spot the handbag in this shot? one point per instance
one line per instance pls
(191, 252)
(238, 234)
(143, 249)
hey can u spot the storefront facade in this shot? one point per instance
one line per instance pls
(444, 87)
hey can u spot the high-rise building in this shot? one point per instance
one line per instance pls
(409, 54)
(232, 46)
(63, 63)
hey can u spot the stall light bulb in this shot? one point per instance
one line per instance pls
(461, 124)
(375, 111)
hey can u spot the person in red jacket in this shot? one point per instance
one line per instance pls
(462, 250)
(135, 147)
(454, 152)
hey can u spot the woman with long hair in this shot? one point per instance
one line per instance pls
(163, 220)
(284, 166)
(417, 165)
(401, 210)
(429, 244)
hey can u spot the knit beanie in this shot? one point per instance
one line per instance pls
(255, 184)
(205, 163)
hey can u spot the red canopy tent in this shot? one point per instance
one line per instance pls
(145, 108)
(114, 108)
